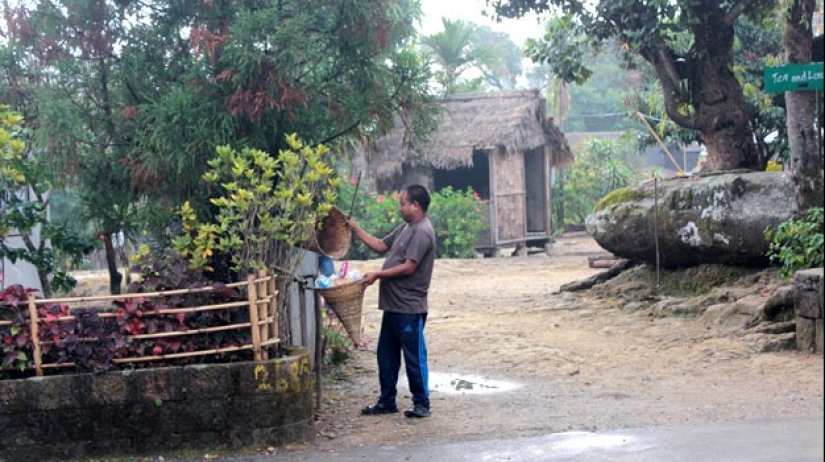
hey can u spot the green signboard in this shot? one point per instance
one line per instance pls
(793, 77)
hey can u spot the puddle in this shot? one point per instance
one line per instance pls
(452, 383)
(579, 442)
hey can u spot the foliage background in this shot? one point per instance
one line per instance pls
(456, 216)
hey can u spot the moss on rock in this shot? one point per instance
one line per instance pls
(620, 196)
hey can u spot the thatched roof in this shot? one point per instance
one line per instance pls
(515, 121)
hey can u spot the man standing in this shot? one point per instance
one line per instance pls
(402, 295)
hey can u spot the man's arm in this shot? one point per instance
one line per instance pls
(375, 244)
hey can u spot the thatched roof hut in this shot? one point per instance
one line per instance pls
(512, 121)
(502, 145)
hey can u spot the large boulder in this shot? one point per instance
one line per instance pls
(716, 218)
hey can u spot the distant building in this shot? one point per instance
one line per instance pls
(20, 272)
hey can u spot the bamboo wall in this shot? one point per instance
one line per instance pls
(508, 187)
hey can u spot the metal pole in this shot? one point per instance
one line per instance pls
(656, 224)
(319, 354)
(354, 195)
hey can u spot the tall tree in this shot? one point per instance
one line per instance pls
(249, 72)
(700, 90)
(463, 47)
(70, 48)
(497, 57)
(806, 161)
(757, 45)
(137, 94)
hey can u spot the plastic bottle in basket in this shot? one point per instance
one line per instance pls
(324, 282)
(354, 275)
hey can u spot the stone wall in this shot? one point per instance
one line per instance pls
(808, 306)
(148, 411)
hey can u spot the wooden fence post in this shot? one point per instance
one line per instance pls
(253, 316)
(35, 333)
(273, 305)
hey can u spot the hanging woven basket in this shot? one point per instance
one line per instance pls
(332, 235)
(346, 301)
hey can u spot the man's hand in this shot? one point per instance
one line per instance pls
(375, 244)
(368, 279)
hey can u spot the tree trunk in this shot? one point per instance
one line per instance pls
(115, 278)
(701, 92)
(719, 103)
(806, 166)
(43, 276)
(45, 284)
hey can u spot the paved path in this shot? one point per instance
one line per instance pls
(783, 440)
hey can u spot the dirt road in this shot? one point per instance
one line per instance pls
(511, 357)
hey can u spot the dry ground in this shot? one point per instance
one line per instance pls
(539, 361)
(510, 356)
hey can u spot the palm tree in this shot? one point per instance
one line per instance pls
(452, 50)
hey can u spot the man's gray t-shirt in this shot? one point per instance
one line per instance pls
(408, 294)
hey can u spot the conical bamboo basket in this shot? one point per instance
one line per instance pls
(346, 301)
(332, 235)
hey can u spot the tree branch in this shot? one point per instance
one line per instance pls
(735, 11)
(662, 62)
(340, 133)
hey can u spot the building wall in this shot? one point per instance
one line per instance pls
(20, 272)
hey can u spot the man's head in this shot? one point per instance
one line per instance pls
(414, 202)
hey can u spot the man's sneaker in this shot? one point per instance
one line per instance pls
(417, 411)
(379, 409)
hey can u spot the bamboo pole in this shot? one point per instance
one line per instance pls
(182, 355)
(273, 305)
(57, 365)
(272, 341)
(263, 330)
(35, 333)
(171, 310)
(661, 143)
(253, 317)
(142, 294)
(176, 333)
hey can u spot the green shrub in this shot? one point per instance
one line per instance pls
(267, 205)
(798, 243)
(601, 166)
(376, 213)
(457, 218)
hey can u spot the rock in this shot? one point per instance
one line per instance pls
(719, 218)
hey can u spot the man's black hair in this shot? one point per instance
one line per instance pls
(418, 193)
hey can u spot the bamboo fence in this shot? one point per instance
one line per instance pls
(263, 320)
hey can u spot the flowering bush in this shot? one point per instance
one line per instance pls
(457, 218)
